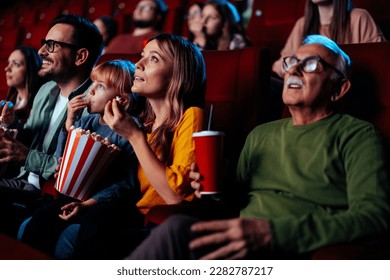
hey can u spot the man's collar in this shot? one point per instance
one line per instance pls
(81, 89)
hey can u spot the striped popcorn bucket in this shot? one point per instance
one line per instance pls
(86, 158)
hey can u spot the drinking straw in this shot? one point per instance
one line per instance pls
(210, 117)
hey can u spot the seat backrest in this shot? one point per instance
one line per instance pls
(369, 96)
(98, 8)
(111, 56)
(237, 81)
(174, 20)
(34, 34)
(272, 21)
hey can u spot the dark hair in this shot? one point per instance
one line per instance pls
(186, 89)
(111, 28)
(162, 10)
(33, 80)
(191, 36)
(340, 23)
(228, 13)
(85, 35)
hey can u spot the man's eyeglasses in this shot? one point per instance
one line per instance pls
(50, 45)
(307, 65)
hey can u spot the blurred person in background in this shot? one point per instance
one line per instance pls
(336, 19)
(108, 27)
(148, 19)
(23, 81)
(195, 25)
(222, 26)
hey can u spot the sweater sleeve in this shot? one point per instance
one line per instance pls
(364, 28)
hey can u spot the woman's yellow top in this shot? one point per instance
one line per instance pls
(182, 154)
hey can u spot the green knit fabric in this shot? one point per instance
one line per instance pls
(318, 184)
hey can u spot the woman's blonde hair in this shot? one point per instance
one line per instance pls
(186, 89)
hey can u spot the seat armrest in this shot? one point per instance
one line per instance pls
(201, 209)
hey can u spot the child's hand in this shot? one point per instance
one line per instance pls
(58, 168)
(75, 106)
(72, 209)
(69, 210)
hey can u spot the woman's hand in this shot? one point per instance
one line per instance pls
(119, 121)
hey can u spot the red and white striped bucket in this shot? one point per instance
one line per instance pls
(86, 158)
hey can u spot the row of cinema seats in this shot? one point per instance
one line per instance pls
(237, 83)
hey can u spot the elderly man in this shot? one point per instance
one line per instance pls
(315, 179)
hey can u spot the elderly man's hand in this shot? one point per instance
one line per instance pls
(12, 151)
(235, 238)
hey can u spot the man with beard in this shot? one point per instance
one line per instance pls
(70, 50)
(148, 19)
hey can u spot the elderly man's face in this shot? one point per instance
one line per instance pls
(310, 90)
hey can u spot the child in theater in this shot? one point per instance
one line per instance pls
(111, 80)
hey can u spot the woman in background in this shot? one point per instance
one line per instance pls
(107, 27)
(195, 25)
(23, 81)
(222, 26)
(335, 19)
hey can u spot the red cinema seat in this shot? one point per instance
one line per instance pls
(98, 8)
(34, 34)
(111, 56)
(272, 21)
(369, 96)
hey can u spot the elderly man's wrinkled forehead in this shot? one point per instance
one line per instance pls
(317, 50)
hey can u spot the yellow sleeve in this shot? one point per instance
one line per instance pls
(182, 154)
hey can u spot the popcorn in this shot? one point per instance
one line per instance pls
(86, 157)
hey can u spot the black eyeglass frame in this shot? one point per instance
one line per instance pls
(48, 43)
(302, 63)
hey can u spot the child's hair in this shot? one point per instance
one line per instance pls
(119, 74)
